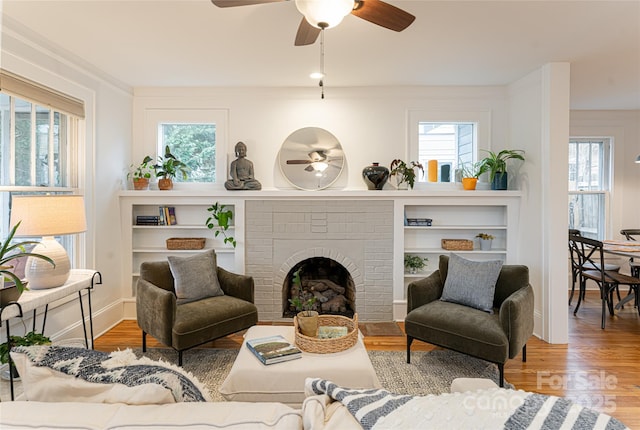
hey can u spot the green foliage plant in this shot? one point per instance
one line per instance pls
(31, 338)
(414, 261)
(144, 170)
(406, 172)
(485, 236)
(9, 252)
(219, 222)
(471, 170)
(497, 163)
(168, 166)
(301, 303)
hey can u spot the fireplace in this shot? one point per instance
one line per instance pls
(320, 235)
(326, 281)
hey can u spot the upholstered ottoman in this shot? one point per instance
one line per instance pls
(251, 381)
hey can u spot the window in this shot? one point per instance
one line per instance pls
(450, 137)
(451, 144)
(36, 143)
(194, 145)
(589, 173)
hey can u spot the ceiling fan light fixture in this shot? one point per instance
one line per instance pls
(325, 13)
(316, 75)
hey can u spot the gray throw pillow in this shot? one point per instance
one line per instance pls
(471, 283)
(195, 277)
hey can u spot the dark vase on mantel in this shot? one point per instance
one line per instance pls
(375, 176)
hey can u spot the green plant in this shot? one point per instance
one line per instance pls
(9, 252)
(485, 236)
(471, 170)
(169, 166)
(221, 216)
(414, 261)
(497, 163)
(31, 338)
(300, 302)
(405, 172)
(144, 170)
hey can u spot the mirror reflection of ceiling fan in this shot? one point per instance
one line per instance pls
(321, 14)
(318, 161)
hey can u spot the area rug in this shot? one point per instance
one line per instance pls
(430, 372)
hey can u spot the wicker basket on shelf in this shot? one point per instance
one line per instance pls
(327, 346)
(457, 244)
(177, 243)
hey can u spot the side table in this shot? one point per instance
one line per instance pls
(31, 300)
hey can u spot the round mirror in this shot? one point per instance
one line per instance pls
(311, 158)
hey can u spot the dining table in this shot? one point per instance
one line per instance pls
(624, 248)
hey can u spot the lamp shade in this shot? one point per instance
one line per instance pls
(329, 12)
(48, 216)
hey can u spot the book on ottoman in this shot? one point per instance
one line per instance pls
(273, 349)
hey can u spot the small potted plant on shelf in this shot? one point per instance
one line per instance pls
(304, 302)
(167, 168)
(141, 174)
(496, 165)
(404, 174)
(10, 253)
(485, 241)
(221, 215)
(413, 263)
(470, 173)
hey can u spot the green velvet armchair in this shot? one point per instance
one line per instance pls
(191, 324)
(493, 337)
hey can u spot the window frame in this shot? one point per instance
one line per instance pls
(480, 118)
(154, 117)
(604, 222)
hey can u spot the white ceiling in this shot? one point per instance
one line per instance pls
(194, 43)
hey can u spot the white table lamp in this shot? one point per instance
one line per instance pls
(48, 216)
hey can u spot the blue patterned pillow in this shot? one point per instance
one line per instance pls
(471, 283)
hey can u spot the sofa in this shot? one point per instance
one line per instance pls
(75, 388)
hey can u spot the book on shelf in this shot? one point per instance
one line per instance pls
(331, 332)
(147, 220)
(167, 215)
(273, 349)
(172, 215)
(161, 216)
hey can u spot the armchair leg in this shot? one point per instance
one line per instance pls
(501, 371)
(144, 341)
(180, 358)
(524, 353)
(409, 340)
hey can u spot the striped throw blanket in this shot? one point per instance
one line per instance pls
(487, 409)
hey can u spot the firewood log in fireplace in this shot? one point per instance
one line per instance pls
(337, 304)
(323, 285)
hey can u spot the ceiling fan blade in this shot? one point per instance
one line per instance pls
(234, 3)
(299, 161)
(307, 34)
(383, 14)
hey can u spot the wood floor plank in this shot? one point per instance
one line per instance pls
(598, 368)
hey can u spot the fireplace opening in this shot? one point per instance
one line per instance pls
(326, 280)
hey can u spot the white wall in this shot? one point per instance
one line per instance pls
(107, 134)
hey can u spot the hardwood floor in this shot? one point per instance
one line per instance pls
(598, 368)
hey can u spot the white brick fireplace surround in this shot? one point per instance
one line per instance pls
(357, 234)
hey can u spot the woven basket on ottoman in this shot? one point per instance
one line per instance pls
(327, 346)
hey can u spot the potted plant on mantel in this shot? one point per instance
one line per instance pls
(10, 252)
(141, 174)
(404, 173)
(307, 318)
(470, 173)
(167, 168)
(496, 165)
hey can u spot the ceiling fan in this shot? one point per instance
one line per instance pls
(321, 14)
(318, 161)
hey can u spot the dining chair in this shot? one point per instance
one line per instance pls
(630, 234)
(575, 265)
(590, 254)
